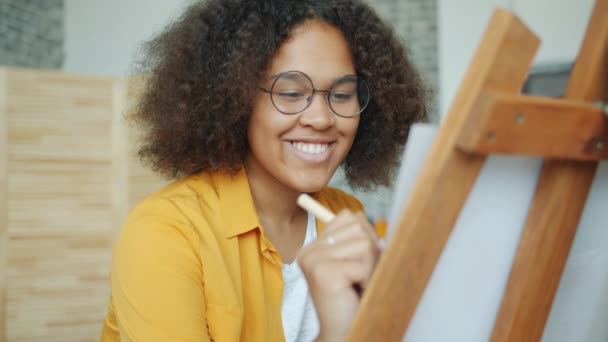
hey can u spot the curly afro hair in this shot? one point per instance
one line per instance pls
(203, 71)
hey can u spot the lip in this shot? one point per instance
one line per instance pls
(309, 157)
(313, 140)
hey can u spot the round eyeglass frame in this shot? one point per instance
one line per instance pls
(360, 81)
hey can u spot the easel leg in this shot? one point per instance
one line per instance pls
(501, 62)
(557, 206)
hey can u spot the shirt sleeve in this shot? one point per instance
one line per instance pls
(157, 283)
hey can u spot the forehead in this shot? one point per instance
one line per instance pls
(317, 49)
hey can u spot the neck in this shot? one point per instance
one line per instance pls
(275, 203)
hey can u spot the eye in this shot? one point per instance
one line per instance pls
(291, 96)
(341, 96)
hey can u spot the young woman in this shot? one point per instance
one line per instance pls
(248, 104)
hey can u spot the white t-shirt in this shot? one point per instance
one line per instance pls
(300, 322)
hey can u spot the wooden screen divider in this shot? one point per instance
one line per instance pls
(489, 115)
(67, 178)
(3, 204)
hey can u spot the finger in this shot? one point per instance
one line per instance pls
(343, 217)
(364, 253)
(345, 240)
(346, 217)
(346, 227)
(366, 225)
(343, 233)
(338, 275)
(350, 227)
(360, 250)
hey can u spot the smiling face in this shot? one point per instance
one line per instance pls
(302, 151)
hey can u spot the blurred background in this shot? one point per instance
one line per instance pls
(67, 171)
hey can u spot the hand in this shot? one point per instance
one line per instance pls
(337, 266)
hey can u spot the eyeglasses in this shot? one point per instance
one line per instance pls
(292, 92)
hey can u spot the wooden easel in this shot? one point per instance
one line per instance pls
(487, 116)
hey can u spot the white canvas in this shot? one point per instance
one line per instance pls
(466, 288)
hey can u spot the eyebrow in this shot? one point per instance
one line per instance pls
(272, 77)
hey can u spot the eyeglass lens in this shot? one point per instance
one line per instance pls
(292, 93)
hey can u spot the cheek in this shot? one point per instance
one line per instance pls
(350, 128)
(258, 124)
(266, 127)
(350, 134)
(257, 135)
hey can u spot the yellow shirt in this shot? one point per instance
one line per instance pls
(192, 264)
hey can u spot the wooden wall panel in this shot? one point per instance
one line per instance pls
(60, 223)
(68, 177)
(141, 180)
(3, 203)
(120, 163)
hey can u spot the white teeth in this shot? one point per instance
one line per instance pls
(310, 148)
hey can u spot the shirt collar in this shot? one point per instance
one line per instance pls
(236, 203)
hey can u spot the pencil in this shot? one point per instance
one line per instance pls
(312, 206)
(325, 215)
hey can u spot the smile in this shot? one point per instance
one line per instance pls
(309, 148)
(312, 151)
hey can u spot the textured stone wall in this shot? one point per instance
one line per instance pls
(415, 21)
(32, 33)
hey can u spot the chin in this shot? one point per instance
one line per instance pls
(309, 185)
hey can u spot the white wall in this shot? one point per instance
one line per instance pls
(102, 37)
(560, 24)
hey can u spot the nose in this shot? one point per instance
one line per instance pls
(318, 114)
